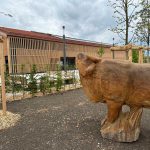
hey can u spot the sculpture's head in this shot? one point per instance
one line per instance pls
(86, 64)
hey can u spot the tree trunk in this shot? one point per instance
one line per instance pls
(148, 38)
(127, 22)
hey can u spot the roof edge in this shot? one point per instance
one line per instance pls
(50, 37)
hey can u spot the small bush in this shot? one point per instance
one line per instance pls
(59, 80)
(101, 52)
(7, 82)
(32, 85)
(45, 85)
(16, 84)
(135, 56)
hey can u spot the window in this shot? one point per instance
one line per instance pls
(70, 62)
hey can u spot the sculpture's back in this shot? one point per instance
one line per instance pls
(126, 82)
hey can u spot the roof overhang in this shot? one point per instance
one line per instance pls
(10, 32)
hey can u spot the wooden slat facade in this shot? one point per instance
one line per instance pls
(24, 51)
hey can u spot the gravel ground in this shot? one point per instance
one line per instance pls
(64, 122)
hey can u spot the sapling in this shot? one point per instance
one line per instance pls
(32, 85)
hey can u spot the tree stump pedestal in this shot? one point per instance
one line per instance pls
(125, 129)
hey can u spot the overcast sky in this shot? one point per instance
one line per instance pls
(85, 19)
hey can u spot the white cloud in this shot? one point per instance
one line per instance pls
(86, 19)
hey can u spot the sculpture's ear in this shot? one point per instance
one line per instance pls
(81, 56)
(92, 65)
(93, 59)
(90, 69)
(84, 57)
(86, 64)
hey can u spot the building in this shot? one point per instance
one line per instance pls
(22, 49)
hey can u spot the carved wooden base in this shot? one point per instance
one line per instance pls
(125, 129)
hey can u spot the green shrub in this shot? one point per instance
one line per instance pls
(135, 56)
(32, 85)
(7, 82)
(16, 84)
(59, 80)
(45, 84)
(101, 52)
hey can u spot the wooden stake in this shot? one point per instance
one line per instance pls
(4, 107)
(113, 54)
(130, 55)
(140, 56)
(127, 55)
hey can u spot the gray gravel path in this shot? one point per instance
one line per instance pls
(64, 122)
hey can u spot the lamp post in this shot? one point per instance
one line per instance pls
(113, 41)
(64, 48)
(113, 52)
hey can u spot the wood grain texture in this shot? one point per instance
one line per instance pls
(115, 83)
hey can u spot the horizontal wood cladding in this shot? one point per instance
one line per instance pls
(25, 51)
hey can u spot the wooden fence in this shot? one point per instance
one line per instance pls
(128, 49)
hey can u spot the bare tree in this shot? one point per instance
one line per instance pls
(5, 14)
(143, 22)
(124, 13)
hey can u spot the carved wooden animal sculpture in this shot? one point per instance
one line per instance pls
(116, 83)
